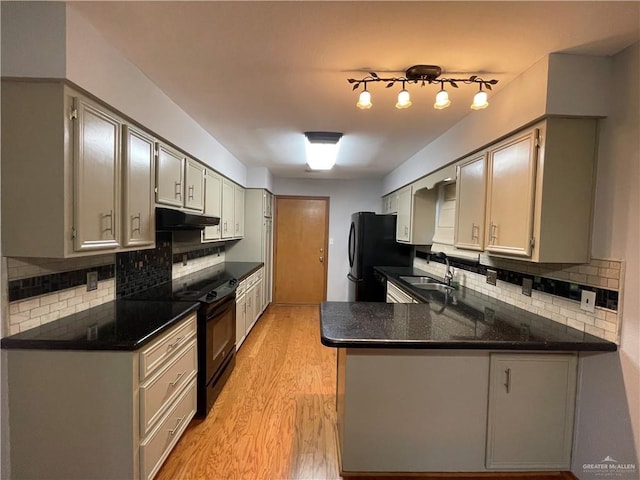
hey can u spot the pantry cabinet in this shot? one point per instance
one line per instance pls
(470, 203)
(66, 187)
(540, 186)
(170, 176)
(212, 204)
(531, 409)
(138, 165)
(416, 215)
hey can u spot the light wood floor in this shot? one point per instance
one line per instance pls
(275, 418)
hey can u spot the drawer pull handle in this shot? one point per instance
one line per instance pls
(175, 382)
(175, 429)
(174, 344)
(507, 384)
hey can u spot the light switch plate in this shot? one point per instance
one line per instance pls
(492, 277)
(588, 301)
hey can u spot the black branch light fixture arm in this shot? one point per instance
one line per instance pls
(423, 75)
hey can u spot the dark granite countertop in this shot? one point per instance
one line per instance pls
(121, 325)
(242, 270)
(465, 320)
(124, 324)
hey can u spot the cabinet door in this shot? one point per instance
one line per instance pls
(267, 204)
(510, 195)
(268, 260)
(238, 211)
(251, 309)
(138, 180)
(96, 178)
(392, 203)
(403, 225)
(226, 220)
(241, 311)
(470, 204)
(194, 185)
(531, 407)
(212, 203)
(169, 177)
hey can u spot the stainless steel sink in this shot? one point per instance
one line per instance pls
(420, 280)
(427, 283)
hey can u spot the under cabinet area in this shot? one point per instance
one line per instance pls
(67, 183)
(99, 414)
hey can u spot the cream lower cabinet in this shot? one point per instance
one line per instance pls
(67, 188)
(241, 313)
(531, 409)
(101, 414)
(540, 192)
(395, 295)
(470, 203)
(450, 411)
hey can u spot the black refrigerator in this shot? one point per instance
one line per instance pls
(372, 242)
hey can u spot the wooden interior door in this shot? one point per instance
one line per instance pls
(301, 238)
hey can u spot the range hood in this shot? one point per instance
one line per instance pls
(168, 219)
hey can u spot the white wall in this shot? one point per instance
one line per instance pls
(346, 197)
(259, 177)
(608, 423)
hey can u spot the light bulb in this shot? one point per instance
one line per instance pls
(404, 99)
(364, 100)
(442, 100)
(480, 101)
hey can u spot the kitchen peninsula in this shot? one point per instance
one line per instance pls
(458, 383)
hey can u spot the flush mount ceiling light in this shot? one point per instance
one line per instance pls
(322, 149)
(423, 74)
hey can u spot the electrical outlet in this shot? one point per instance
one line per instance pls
(588, 301)
(92, 281)
(184, 259)
(527, 285)
(492, 277)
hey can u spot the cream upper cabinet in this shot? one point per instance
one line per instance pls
(194, 188)
(96, 177)
(531, 409)
(61, 172)
(227, 221)
(540, 192)
(470, 203)
(416, 216)
(212, 204)
(238, 211)
(390, 203)
(510, 194)
(138, 160)
(170, 176)
(267, 204)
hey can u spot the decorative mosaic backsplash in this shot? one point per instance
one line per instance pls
(604, 322)
(141, 269)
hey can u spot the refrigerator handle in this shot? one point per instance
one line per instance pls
(352, 244)
(353, 279)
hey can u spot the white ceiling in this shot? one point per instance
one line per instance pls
(257, 74)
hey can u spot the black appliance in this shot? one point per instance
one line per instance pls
(372, 242)
(168, 219)
(215, 289)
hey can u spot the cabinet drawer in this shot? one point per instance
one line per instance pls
(152, 357)
(162, 389)
(154, 450)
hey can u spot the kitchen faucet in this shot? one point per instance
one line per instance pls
(448, 276)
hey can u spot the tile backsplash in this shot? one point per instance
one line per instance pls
(603, 322)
